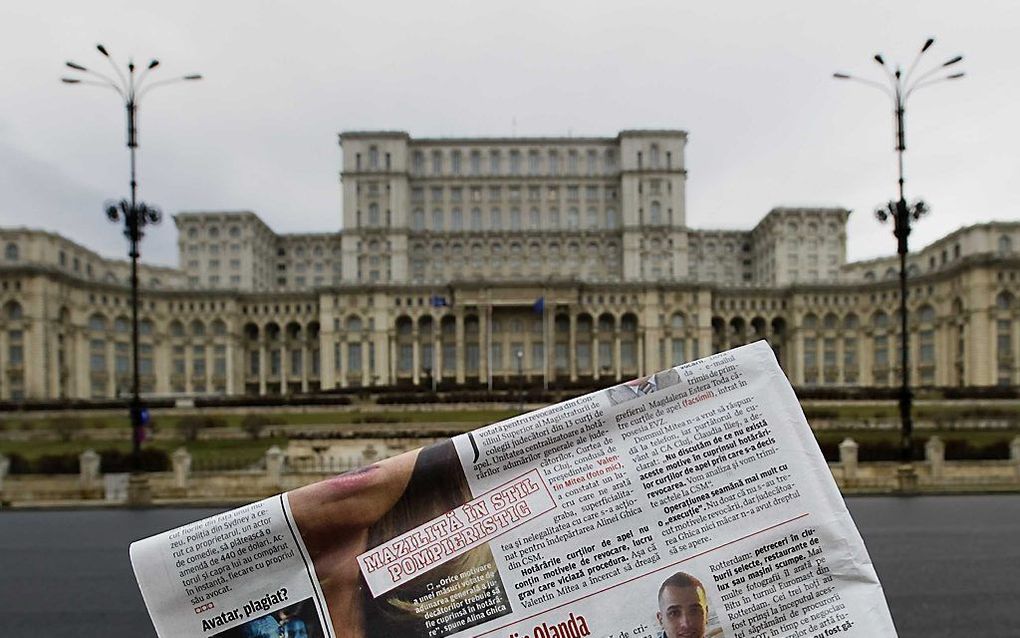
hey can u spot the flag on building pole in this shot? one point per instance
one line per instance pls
(438, 301)
(539, 309)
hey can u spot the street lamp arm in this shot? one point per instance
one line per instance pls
(930, 72)
(107, 84)
(894, 79)
(145, 72)
(921, 85)
(877, 85)
(105, 78)
(183, 78)
(109, 58)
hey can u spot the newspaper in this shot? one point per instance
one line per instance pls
(693, 502)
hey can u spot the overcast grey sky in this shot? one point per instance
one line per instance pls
(749, 81)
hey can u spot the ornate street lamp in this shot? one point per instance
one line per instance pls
(899, 87)
(135, 215)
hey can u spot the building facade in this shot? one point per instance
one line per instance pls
(481, 260)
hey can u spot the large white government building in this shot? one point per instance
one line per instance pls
(446, 247)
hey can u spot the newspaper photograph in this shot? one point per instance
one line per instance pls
(691, 503)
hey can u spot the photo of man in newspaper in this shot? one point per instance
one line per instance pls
(340, 518)
(683, 608)
(641, 386)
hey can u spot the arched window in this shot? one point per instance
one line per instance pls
(677, 321)
(197, 328)
(810, 321)
(176, 329)
(13, 311)
(11, 252)
(1004, 300)
(1005, 245)
(353, 324)
(97, 322)
(121, 324)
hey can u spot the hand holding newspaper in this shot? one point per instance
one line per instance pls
(691, 503)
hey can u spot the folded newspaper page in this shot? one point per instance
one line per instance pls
(694, 502)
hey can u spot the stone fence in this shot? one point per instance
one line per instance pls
(277, 472)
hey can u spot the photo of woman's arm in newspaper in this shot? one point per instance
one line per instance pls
(340, 518)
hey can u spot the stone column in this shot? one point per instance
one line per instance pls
(82, 370)
(229, 354)
(459, 348)
(181, 459)
(416, 362)
(572, 347)
(1014, 455)
(263, 365)
(111, 367)
(345, 361)
(617, 363)
(848, 459)
(274, 465)
(866, 358)
(306, 365)
(188, 362)
(935, 454)
(88, 469)
(548, 347)
(5, 466)
(284, 347)
(367, 369)
(436, 363)
(483, 343)
(641, 353)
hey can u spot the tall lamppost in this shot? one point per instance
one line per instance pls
(899, 87)
(135, 215)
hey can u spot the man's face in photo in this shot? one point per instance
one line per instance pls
(682, 612)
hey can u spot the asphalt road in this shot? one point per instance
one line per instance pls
(948, 564)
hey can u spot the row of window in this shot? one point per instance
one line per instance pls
(573, 193)
(494, 220)
(213, 232)
(496, 162)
